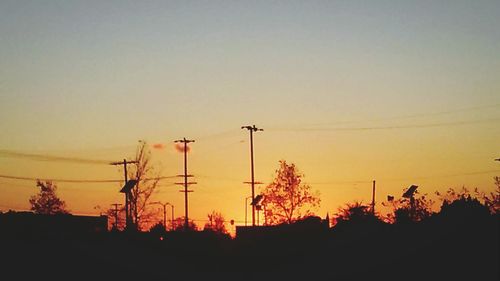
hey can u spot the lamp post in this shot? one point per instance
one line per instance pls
(164, 205)
(252, 129)
(172, 215)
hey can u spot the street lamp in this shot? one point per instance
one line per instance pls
(164, 205)
(172, 215)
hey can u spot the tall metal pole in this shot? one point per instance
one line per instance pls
(373, 198)
(172, 218)
(165, 216)
(246, 209)
(252, 129)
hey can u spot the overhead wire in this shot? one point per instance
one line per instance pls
(77, 180)
(43, 157)
(391, 127)
(401, 117)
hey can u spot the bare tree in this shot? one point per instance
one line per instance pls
(147, 181)
(287, 198)
(179, 225)
(492, 200)
(116, 221)
(46, 201)
(216, 223)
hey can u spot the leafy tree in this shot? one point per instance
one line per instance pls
(216, 223)
(466, 202)
(46, 201)
(158, 229)
(287, 198)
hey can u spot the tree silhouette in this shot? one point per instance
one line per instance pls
(355, 212)
(179, 225)
(463, 207)
(492, 200)
(216, 223)
(46, 201)
(287, 198)
(147, 180)
(413, 209)
(116, 222)
(158, 229)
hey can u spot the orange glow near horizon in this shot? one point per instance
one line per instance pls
(341, 175)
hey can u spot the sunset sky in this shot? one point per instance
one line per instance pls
(404, 92)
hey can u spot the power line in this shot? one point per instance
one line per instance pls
(407, 179)
(75, 180)
(446, 176)
(405, 116)
(222, 134)
(42, 157)
(373, 128)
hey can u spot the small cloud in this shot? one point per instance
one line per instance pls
(180, 147)
(158, 146)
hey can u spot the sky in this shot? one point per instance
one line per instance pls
(403, 92)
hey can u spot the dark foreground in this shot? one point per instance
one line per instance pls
(436, 249)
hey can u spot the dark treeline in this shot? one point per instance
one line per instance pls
(460, 242)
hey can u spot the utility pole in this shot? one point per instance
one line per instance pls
(252, 129)
(128, 211)
(186, 183)
(116, 214)
(373, 198)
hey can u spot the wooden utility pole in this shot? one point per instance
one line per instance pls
(252, 129)
(116, 205)
(128, 211)
(186, 183)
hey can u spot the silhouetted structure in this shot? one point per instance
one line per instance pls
(252, 129)
(185, 183)
(27, 223)
(309, 226)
